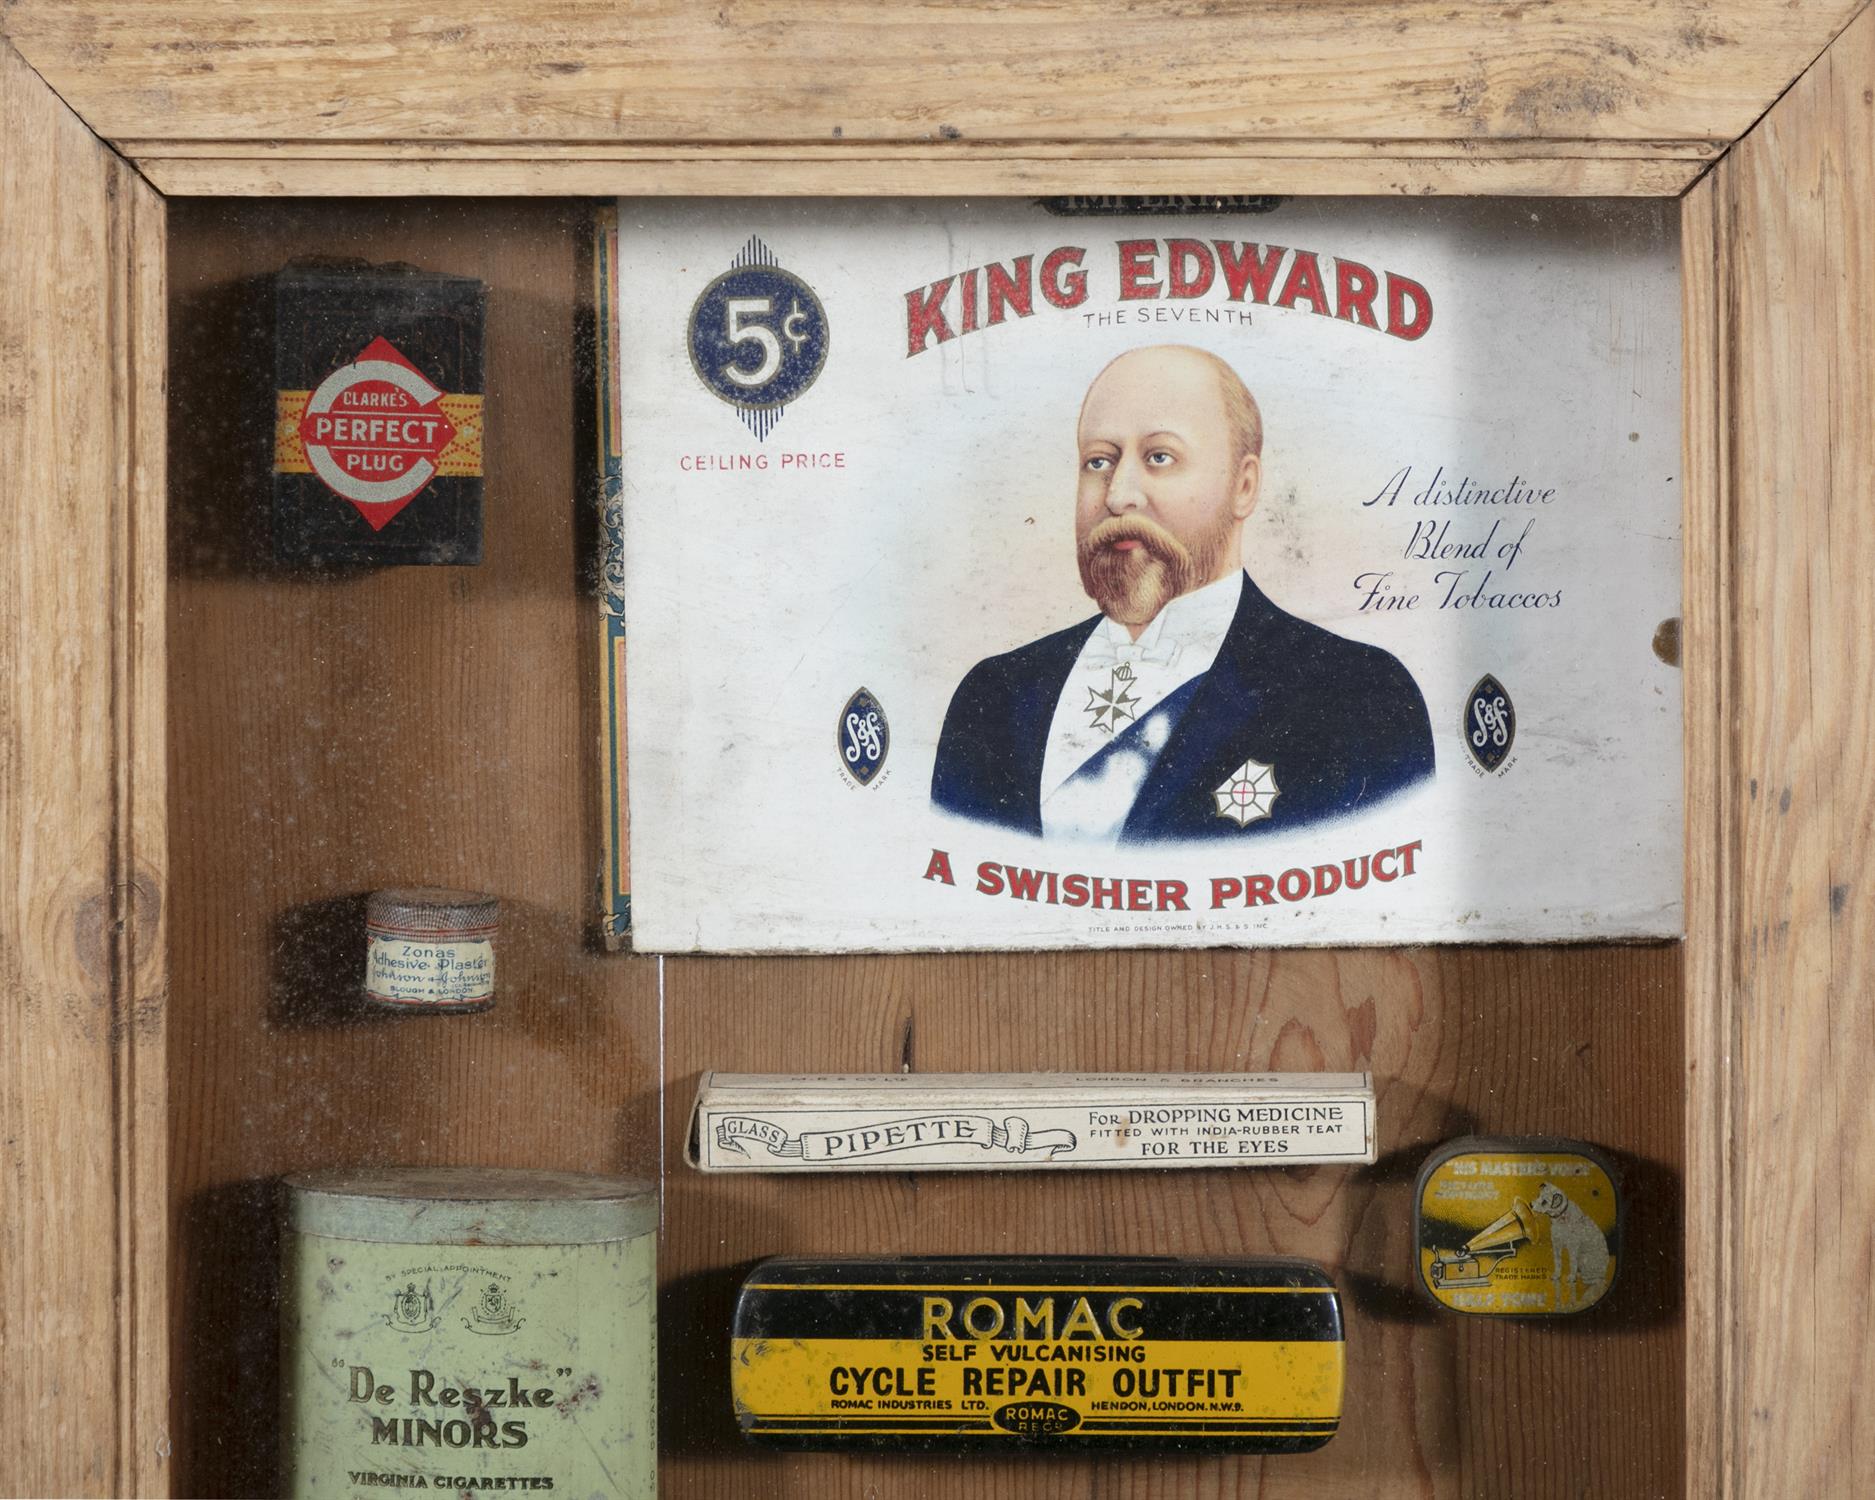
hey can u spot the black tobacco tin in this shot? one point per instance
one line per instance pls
(378, 416)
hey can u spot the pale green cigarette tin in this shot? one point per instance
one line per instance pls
(469, 1331)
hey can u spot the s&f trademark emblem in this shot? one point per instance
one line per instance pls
(758, 337)
(373, 431)
(1490, 725)
(412, 1311)
(1247, 794)
(493, 1312)
(864, 737)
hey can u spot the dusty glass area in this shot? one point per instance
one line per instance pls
(335, 731)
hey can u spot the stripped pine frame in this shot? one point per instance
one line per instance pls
(1758, 117)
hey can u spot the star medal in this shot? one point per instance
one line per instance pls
(1247, 794)
(1114, 703)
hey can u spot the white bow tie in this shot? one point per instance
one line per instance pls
(1103, 651)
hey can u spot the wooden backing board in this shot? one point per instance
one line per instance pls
(437, 724)
(1460, 1040)
(83, 811)
(333, 735)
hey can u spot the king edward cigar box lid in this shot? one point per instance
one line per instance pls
(1527, 1226)
(469, 1205)
(979, 1353)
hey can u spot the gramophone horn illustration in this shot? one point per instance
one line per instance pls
(1562, 1236)
(1498, 1240)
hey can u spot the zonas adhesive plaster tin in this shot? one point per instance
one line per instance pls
(469, 1331)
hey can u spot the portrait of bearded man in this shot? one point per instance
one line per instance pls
(1191, 706)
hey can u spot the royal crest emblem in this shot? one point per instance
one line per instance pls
(864, 737)
(1116, 702)
(493, 1312)
(412, 1311)
(1490, 725)
(1248, 794)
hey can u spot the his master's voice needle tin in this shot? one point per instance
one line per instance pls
(1006, 1353)
(1517, 1227)
(430, 950)
(466, 1330)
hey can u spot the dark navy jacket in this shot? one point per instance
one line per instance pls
(1342, 723)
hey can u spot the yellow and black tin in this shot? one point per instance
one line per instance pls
(1008, 1353)
(1517, 1227)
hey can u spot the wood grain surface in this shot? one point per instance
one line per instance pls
(1531, 1040)
(849, 174)
(1793, 1338)
(1708, 604)
(332, 734)
(340, 733)
(814, 71)
(84, 1330)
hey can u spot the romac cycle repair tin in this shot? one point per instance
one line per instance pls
(1014, 1353)
(467, 1330)
(430, 950)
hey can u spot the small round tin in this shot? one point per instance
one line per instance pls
(1517, 1226)
(429, 949)
(468, 1329)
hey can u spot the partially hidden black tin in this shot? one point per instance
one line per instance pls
(378, 431)
(995, 1353)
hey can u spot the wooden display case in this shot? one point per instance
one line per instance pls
(204, 760)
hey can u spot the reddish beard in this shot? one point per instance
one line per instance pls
(1133, 584)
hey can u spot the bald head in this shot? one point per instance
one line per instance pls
(1181, 371)
(1171, 448)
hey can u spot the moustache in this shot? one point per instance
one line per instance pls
(1151, 536)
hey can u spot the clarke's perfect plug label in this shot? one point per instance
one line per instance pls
(376, 432)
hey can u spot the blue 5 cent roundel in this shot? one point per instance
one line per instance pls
(758, 334)
(1490, 725)
(864, 737)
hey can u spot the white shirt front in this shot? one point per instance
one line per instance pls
(1114, 682)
